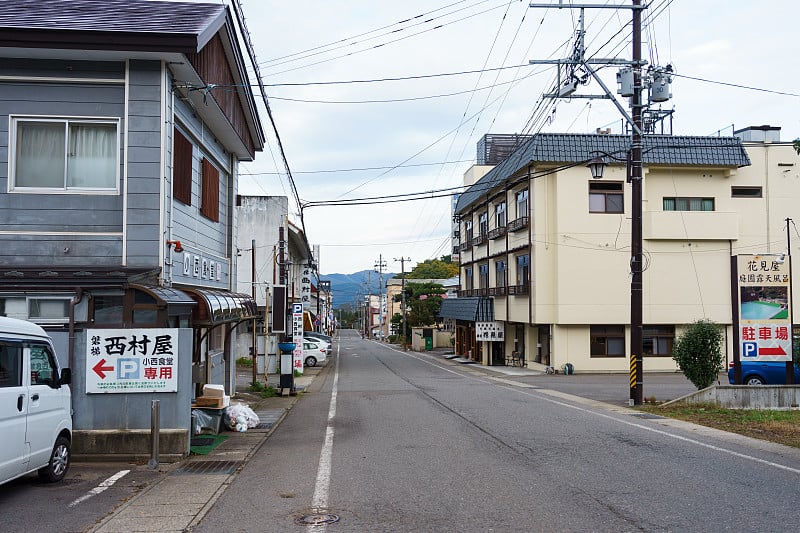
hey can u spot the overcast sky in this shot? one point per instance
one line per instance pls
(420, 134)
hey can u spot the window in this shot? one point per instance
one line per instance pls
(500, 212)
(658, 340)
(209, 206)
(10, 365)
(607, 341)
(606, 197)
(468, 282)
(522, 203)
(467, 231)
(43, 366)
(688, 204)
(39, 309)
(523, 269)
(483, 224)
(107, 309)
(484, 276)
(746, 192)
(67, 155)
(182, 168)
(500, 272)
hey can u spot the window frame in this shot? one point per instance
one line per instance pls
(747, 191)
(599, 335)
(483, 224)
(182, 167)
(209, 190)
(483, 276)
(468, 232)
(607, 190)
(29, 300)
(684, 203)
(521, 199)
(523, 274)
(501, 217)
(15, 120)
(653, 334)
(500, 273)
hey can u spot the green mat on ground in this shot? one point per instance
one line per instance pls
(203, 444)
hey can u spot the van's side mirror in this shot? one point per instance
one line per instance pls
(66, 376)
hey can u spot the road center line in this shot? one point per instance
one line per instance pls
(322, 485)
(100, 488)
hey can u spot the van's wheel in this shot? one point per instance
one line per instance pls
(56, 469)
(311, 360)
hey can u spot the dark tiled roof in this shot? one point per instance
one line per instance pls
(471, 309)
(19, 18)
(566, 148)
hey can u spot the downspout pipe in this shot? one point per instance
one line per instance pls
(72, 303)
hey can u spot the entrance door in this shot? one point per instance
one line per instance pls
(498, 353)
(544, 345)
(13, 411)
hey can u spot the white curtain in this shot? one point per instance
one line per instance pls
(92, 156)
(40, 154)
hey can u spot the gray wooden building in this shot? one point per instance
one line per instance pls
(122, 125)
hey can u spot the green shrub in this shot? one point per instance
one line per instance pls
(244, 361)
(698, 352)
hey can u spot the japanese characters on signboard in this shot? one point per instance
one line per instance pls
(305, 287)
(131, 360)
(489, 331)
(297, 337)
(765, 329)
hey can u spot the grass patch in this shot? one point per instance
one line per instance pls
(244, 361)
(782, 427)
(266, 391)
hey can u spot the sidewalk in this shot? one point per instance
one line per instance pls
(189, 488)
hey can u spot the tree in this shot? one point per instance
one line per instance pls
(423, 301)
(434, 269)
(796, 144)
(698, 352)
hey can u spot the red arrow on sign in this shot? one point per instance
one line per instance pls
(778, 350)
(100, 369)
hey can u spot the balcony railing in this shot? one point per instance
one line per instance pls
(518, 290)
(496, 233)
(497, 291)
(480, 239)
(518, 224)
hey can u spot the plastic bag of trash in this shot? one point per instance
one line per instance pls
(203, 422)
(240, 417)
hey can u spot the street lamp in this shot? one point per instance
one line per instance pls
(597, 166)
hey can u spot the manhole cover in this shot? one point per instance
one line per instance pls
(316, 519)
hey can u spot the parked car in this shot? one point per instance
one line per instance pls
(313, 353)
(318, 336)
(763, 373)
(35, 404)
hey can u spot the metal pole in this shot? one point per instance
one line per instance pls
(636, 378)
(255, 320)
(155, 423)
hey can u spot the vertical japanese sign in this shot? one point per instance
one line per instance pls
(297, 337)
(305, 287)
(131, 360)
(765, 328)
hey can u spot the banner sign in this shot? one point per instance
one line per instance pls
(765, 328)
(131, 360)
(297, 337)
(305, 287)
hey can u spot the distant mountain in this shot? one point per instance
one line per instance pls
(346, 287)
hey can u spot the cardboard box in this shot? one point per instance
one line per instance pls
(216, 391)
(210, 401)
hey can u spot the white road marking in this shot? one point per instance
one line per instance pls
(322, 485)
(621, 421)
(100, 488)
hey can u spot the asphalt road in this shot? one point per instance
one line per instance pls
(392, 441)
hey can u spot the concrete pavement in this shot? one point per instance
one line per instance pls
(187, 490)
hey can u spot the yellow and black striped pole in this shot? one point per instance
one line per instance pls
(633, 376)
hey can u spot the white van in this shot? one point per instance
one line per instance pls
(35, 404)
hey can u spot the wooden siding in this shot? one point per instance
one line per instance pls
(211, 63)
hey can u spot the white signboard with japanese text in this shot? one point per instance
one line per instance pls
(489, 331)
(765, 329)
(297, 337)
(305, 287)
(131, 360)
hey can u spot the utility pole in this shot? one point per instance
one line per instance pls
(403, 295)
(380, 265)
(790, 363)
(567, 88)
(255, 320)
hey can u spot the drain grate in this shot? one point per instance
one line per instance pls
(265, 425)
(647, 415)
(208, 467)
(316, 519)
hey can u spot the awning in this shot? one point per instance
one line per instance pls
(177, 302)
(471, 309)
(218, 307)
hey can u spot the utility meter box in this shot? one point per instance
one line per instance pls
(625, 82)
